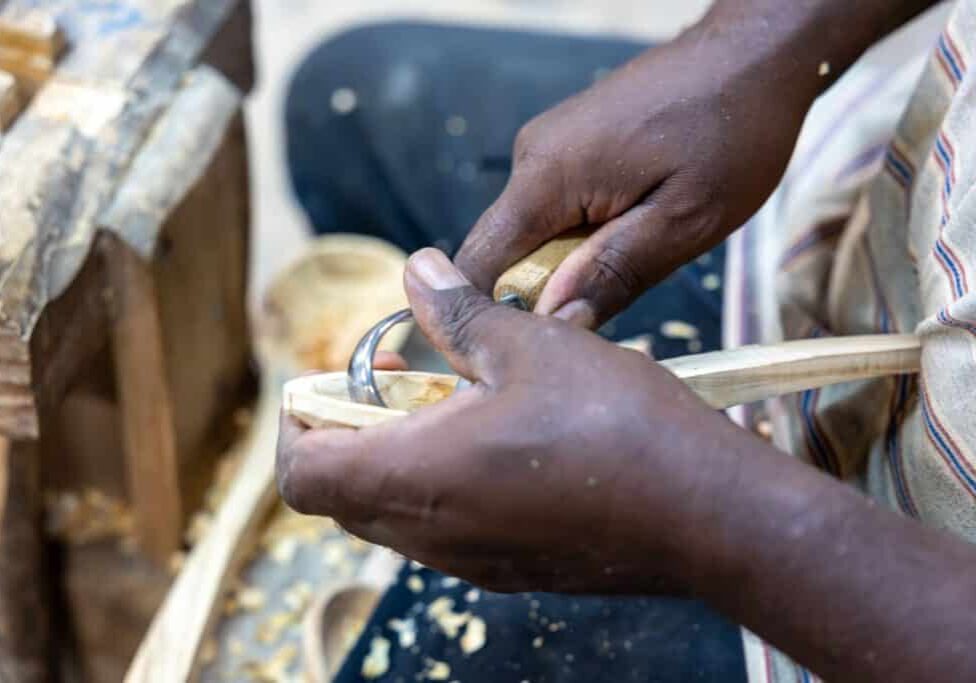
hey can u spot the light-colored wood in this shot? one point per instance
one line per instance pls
(367, 272)
(528, 277)
(323, 401)
(146, 407)
(333, 296)
(32, 30)
(752, 373)
(170, 649)
(10, 102)
(722, 378)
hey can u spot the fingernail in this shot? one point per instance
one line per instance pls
(434, 269)
(578, 312)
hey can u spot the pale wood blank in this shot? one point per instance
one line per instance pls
(722, 379)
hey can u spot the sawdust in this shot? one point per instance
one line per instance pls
(475, 636)
(678, 329)
(436, 671)
(86, 517)
(377, 661)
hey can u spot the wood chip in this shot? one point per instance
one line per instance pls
(415, 583)
(475, 636)
(677, 329)
(275, 668)
(437, 671)
(406, 630)
(377, 661)
(711, 282)
(271, 630)
(298, 596)
(283, 552)
(442, 613)
(251, 598)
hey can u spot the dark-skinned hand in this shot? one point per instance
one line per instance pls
(665, 156)
(566, 466)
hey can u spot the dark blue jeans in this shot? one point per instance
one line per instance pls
(404, 131)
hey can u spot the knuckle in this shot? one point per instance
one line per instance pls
(460, 318)
(617, 269)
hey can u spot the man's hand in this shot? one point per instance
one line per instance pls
(669, 154)
(574, 465)
(571, 465)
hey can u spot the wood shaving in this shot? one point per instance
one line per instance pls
(537, 642)
(298, 596)
(377, 661)
(441, 612)
(475, 636)
(283, 552)
(273, 627)
(473, 595)
(711, 282)
(437, 671)
(275, 668)
(415, 584)
(251, 598)
(86, 517)
(677, 329)
(406, 630)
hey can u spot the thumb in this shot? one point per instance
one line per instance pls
(459, 320)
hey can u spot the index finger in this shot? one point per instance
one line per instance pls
(523, 218)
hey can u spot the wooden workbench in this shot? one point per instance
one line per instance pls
(123, 247)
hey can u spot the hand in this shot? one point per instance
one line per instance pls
(666, 155)
(570, 465)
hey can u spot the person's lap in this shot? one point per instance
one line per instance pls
(404, 131)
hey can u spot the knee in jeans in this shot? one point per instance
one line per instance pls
(374, 62)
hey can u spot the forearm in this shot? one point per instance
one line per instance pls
(804, 45)
(845, 587)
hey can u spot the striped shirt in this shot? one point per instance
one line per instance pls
(873, 230)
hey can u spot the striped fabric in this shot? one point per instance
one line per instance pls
(873, 230)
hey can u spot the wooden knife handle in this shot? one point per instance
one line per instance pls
(528, 277)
